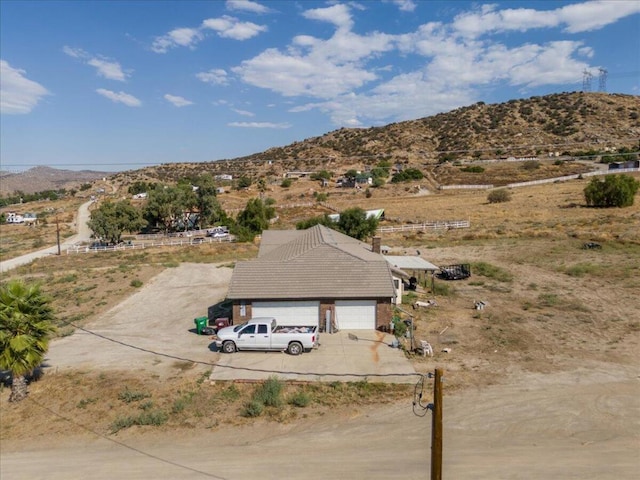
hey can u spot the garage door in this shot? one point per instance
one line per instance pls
(356, 314)
(289, 313)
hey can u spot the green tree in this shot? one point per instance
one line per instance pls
(26, 324)
(209, 208)
(321, 175)
(613, 191)
(243, 182)
(311, 222)
(111, 220)
(170, 207)
(139, 187)
(407, 175)
(254, 218)
(354, 222)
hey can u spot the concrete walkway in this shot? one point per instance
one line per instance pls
(345, 356)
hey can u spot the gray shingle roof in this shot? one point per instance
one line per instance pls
(313, 263)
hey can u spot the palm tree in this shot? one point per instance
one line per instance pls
(26, 324)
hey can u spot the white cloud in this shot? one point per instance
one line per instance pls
(106, 69)
(179, 37)
(338, 14)
(405, 5)
(230, 27)
(579, 17)
(316, 67)
(18, 94)
(595, 15)
(259, 125)
(177, 101)
(225, 27)
(244, 113)
(75, 52)
(120, 97)
(215, 76)
(246, 6)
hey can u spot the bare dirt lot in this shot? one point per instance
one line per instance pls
(543, 383)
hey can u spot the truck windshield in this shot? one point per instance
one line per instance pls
(238, 327)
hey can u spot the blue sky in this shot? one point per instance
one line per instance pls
(119, 85)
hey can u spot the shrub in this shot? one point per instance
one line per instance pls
(252, 409)
(472, 169)
(286, 183)
(300, 399)
(136, 283)
(491, 271)
(613, 191)
(531, 165)
(128, 396)
(499, 196)
(269, 393)
(407, 175)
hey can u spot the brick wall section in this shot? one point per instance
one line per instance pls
(384, 313)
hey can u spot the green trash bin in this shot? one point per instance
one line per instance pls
(201, 323)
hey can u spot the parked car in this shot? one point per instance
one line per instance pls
(264, 333)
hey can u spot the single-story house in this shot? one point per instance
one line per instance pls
(318, 277)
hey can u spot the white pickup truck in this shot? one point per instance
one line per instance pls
(265, 334)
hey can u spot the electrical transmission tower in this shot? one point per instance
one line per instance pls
(602, 79)
(586, 80)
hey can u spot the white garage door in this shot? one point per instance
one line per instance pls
(356, 314)
(289, 313)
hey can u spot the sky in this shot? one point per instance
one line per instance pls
(115, 85)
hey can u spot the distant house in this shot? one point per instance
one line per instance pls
(17, 218)
(223, 176)
(139, 196)
(624, 165)
(317, 277)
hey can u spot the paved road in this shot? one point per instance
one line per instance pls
(83, 234)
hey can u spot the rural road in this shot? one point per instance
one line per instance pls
(581, 424)
(83, 234)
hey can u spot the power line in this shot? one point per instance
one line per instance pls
(129, 447)
(259, 370)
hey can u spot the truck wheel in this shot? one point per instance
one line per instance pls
(228, 347)
(295, 348)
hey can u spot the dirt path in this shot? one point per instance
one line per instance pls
(580, 424)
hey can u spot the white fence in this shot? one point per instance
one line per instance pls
(437, 225)
(470, 187)
(148, 244)
(572, 177)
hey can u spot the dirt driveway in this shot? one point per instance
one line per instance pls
(159, 318)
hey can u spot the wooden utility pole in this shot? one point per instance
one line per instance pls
(58, 234)
(436, 427)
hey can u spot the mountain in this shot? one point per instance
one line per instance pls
(39, 179)
(574, 123)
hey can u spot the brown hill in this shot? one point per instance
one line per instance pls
(40, 179)
(573, 123)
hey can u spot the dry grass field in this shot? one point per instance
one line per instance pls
(552, 308)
